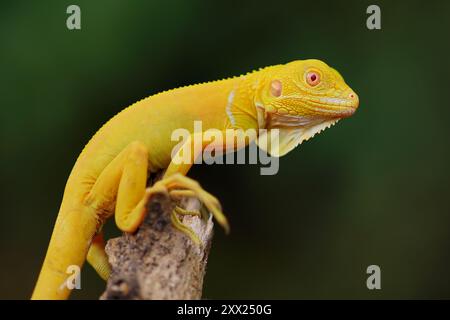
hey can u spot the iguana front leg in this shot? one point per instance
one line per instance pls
(175, 169)
(126, 177)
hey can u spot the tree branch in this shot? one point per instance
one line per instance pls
(159, 262)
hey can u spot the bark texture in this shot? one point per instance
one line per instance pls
(160, 262)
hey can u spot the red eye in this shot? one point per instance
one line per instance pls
(313, 78)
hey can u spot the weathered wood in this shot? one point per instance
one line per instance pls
(160, 262)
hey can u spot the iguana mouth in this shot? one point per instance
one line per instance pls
(320, 106)
(338, 107)
(339, 102)
(345, 105)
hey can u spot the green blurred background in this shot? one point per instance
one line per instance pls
(372, 190)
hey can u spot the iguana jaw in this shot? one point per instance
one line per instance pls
(309, 131)
(293, 130)
(306, 127)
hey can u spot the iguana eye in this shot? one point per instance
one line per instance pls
(313, 78)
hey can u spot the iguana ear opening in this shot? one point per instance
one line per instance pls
(275, 88)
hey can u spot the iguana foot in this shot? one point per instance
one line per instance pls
(177, 186)
(183, 212)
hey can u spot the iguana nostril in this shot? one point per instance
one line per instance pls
(355, 99)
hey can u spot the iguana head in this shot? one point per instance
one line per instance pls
(302, 98)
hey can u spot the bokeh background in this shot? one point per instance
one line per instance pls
(372, 190)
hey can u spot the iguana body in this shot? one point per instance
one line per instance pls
(299, 98)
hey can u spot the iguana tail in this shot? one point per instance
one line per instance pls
(66, 254)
